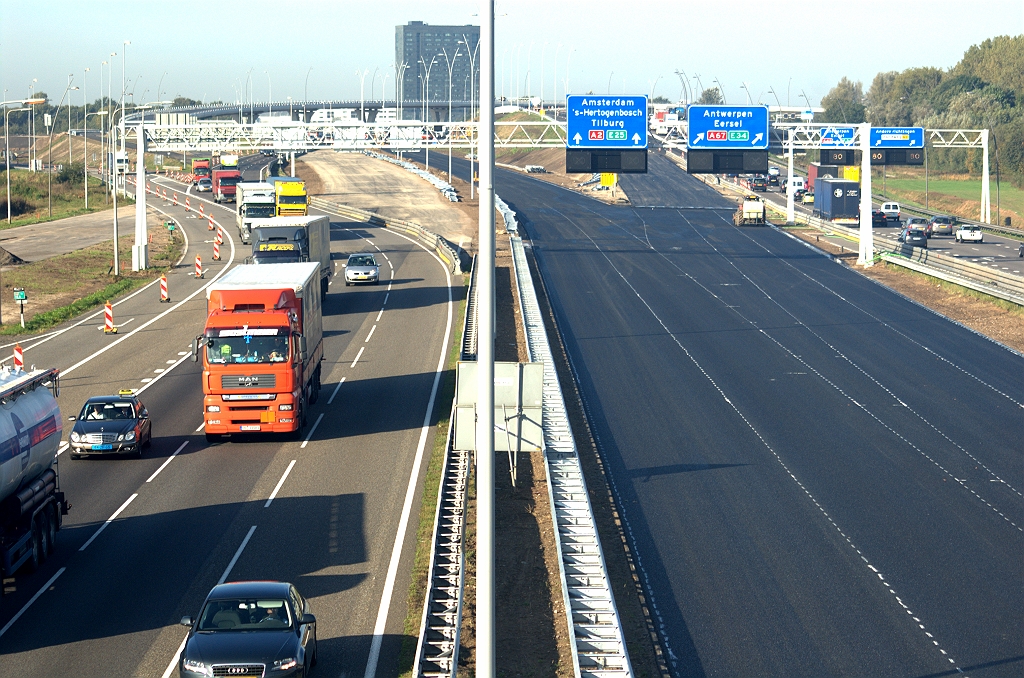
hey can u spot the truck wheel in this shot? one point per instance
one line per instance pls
(37, 547)
(48, 532)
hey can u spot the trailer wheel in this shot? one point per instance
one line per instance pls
(37, 547)
(49, 531)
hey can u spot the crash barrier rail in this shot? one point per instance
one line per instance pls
(449, 253)
(441, 185)
(437, 649)
(595, 630)
(511, 224)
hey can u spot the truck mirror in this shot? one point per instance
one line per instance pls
(302, 348)
(195, 350)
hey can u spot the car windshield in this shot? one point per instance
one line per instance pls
(107, 411)
(258, 345)
(361, 260)
(245, 614)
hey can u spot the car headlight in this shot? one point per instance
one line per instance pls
(285, 664)
(74, 437)
(197, 667)
(130, 436)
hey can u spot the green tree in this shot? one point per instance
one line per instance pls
(711, 97)
(844, 103)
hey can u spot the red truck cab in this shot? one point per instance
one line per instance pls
(224, 183)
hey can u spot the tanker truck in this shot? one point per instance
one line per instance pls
(31, 503)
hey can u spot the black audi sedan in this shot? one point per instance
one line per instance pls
(111, 425)
(250, 628)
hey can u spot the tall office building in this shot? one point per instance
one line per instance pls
(420, 47)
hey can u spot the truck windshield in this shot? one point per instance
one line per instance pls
(229, 181)
(247, 346)
(201, 171)
(291, 199)
(277, 257)
(259, 211)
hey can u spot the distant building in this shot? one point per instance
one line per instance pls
(417, 45)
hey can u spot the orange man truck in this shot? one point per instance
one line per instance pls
(200, 169)
(261, 349)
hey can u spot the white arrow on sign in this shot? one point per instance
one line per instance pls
(577, 138)
(700, 137)
(757, 137)
(636, 138)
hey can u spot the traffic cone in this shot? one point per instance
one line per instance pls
(210, 218)
(108, 320)
(164, 297)
(188, 204)
(199, 266)
(19, 358)
(175, 199)
(201, 215)
(216, 250)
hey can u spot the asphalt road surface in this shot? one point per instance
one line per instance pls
(146, 539)
(818, 477)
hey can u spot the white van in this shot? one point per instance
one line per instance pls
(892, 211)
(798, 184)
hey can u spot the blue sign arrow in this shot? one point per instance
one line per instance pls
(897, 137)
(837, 136)
(606, 121)
(728, 127)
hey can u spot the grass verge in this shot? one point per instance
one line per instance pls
(30, 193)
(953, 288)
(428, 507)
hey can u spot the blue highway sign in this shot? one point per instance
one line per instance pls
(725, 127)
(897, 137)
(837, 136)
(606, 121)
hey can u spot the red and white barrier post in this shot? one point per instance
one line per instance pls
(188, 204)
(199, 266)
(164, 296)
(108, 320)
(216, 250)
(201, 215)
(175, 199)
(19, 358)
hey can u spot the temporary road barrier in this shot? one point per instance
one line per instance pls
(188, 204)
(164, 297)
(175, 199)
(199, 266)
(201, 215)
(210, 218)
(216, 250)
(108, 319)
(19, 358)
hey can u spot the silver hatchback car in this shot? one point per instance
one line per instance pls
(361, 267)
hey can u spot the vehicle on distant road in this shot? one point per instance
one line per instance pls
(115, 424)
(913, 237)
(250, 628)
(773, 175)
(224, 183)
(807, 197)
(878, 218)
(969, 233)
(204, 185)
(362, 267)
(200, 168)
(916, 222)
(891, 210)
(943, 225)
(751, 211)
(31, 503)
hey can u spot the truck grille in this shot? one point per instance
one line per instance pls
(99, 438)
(261, 381)
(239, 669)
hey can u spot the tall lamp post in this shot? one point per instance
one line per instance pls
(270, 95)
(426, 109)
(85, 152)
(49, 155)
(451, 65)
(472, 97)
(362, 82)
(305, 94)
(7, 142)
(140, 251)
(721, 90)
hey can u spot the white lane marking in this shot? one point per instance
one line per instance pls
(100, 327)
(358, 355)
(234, 558)
(109, 520)
(410, 492)
(312, 431)
(163, 373)
(391, 265)
(32, 600)
(174, 662)
(158, 370)
(63, 446)
(182, 353)
(336, 389)
(164, 465)
(171, 362)
(379, 315)
(146, 382)
(372, 329)
(146, 324)
(386, 296)
(280, 482)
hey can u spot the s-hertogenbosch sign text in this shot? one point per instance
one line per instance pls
(606, 121)
(728, 127)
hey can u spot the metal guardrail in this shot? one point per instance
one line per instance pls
(595, 631)
(449, 253)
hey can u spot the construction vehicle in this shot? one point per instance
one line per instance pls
(750, 211)
(291, 198)
(200, 169)
(225, 182)
(31, 503)
(253, 200)
(293, 239)
(261, 350)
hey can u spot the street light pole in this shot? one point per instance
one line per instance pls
(362, 81)
(451, 66)
(270, 95)
(305, 94)
(49, 155)
(7, 155)
(85, 152)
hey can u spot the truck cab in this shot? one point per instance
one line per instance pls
(225, 182)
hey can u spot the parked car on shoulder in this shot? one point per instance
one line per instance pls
(968, 233)
(943, 225)
(891, 210)
(913, 237)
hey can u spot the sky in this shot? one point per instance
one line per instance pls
(218, 49)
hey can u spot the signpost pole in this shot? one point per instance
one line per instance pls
(867, 246)
(485, 618)
(790, 198)
(986, 196)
